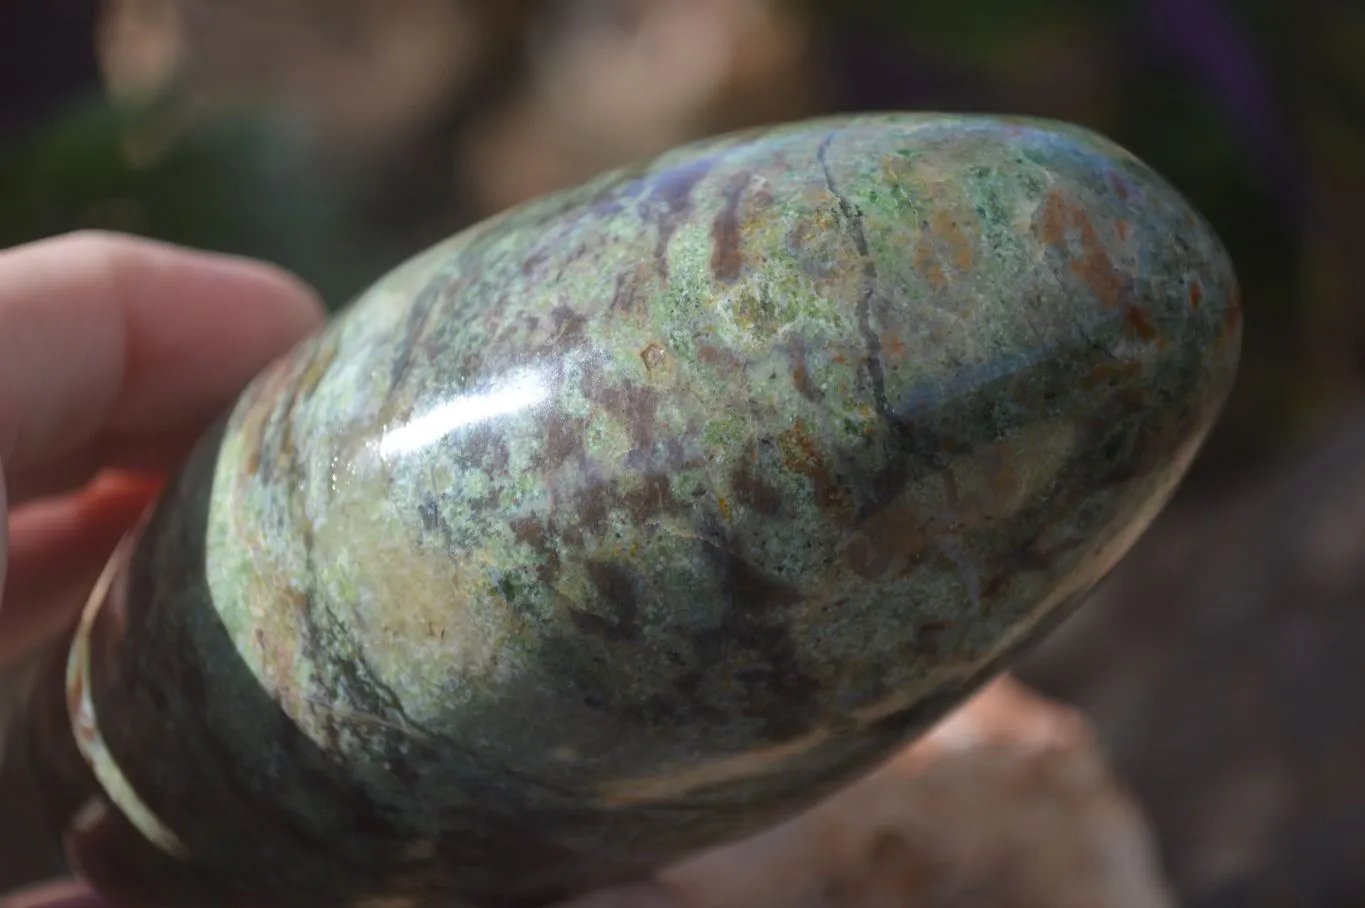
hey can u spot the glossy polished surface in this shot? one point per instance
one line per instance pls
(637, 518)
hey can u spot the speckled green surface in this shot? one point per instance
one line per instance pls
(636, 518)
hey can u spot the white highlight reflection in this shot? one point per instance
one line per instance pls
(520, 392)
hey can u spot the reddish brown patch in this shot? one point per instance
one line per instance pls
(636, 406)
(568, 326)
(1093, 264)
(891, 537)
(563, 439)
(959, 246)
(1096, 268)
(752, 490)
(719, 357)
(727, 260)
(800, 454)
(1233, 317)
(943, 228)
(1121, 227)
(652, 498)
(531, 532)
(1112, 372)
(926, 262)
(1121, 188)
(1004, 481)
(278, 651)
(1196, 294)
(800, 373)
(1138, 324)
(486, 447)
(1134, 399)
(533, 263)
(893, 345)
(594, 504)
(928, 637)
(618, 589)
(1052, 223)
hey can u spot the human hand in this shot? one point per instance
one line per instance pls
(115, 354)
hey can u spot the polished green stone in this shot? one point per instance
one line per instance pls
(640, 516)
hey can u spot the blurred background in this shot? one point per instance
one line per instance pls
(1223, 663)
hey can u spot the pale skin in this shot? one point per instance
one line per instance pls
(115, 353)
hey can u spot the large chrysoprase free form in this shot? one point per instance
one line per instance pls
(641, 516)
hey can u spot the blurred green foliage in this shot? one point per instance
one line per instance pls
(240, 185)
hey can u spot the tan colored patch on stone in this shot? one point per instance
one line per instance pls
(680, 783)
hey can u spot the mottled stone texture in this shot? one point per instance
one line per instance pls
(637, 518)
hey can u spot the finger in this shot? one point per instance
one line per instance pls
(148, 454)
(53, 895)
(115, 344)
(58, 547)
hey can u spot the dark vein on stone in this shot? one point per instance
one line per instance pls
(334, 650)
(417, 320)
(341, 660)
(869, 280)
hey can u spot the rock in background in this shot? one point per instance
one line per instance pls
(1224, 664)
(1006, 804)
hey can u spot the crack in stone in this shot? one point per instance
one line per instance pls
(869, 281)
